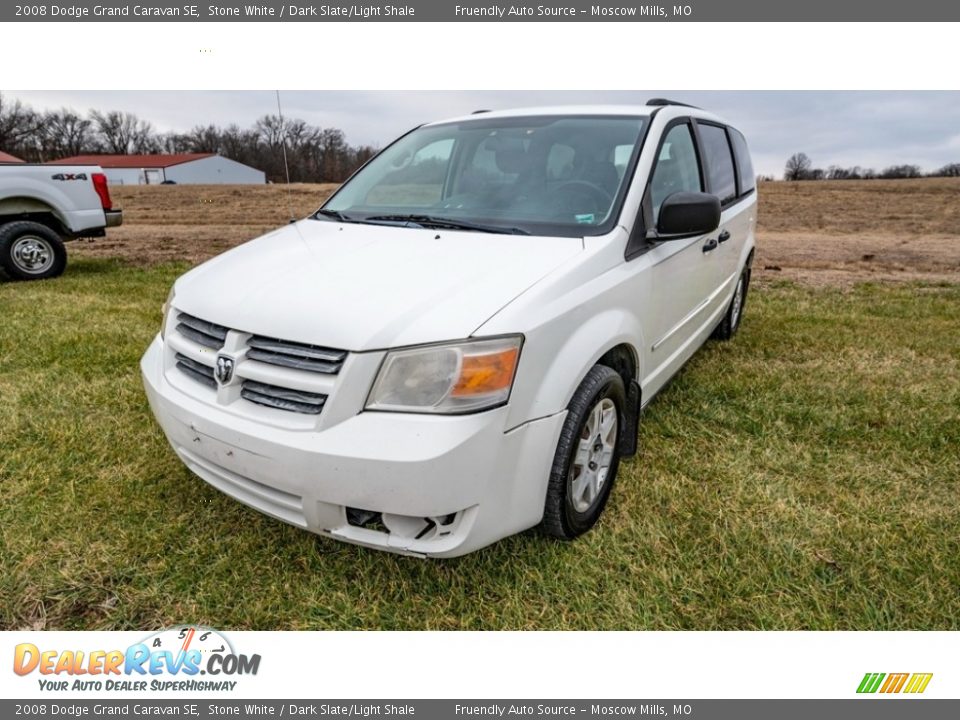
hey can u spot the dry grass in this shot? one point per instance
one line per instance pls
(817, 233)
(192, 223)
(842, 232)
(222, 205)
(927, 206)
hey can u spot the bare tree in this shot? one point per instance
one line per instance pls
(901, 171)
(333, 152)
(270, 128)
(240, 145)
(203, 139)
(835, 172)
(797, 167)
(362, 154)
(951, 170)
(122, 133)
(65, 133)
(17, 123)
(175, 143)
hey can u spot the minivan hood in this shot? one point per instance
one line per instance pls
(363, 287)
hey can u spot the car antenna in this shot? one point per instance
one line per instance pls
(283, 146)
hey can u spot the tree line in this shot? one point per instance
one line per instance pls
(313, 154)
(800, 167)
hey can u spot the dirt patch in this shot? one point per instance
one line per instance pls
(219, 204)
(843, 232)
(821, 233)
(162, 223)
(823, 259)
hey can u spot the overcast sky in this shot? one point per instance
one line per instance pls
(870, 129)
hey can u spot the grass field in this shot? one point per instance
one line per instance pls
(803, 476)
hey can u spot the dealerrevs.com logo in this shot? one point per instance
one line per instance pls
(173, 659)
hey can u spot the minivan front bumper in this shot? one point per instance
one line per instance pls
(438, 485)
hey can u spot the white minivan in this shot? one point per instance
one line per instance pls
(457, 345)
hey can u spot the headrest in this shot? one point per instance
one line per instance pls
(510, 153)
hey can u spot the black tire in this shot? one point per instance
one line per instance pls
(562, 518)
(731, 319)
(31, 251)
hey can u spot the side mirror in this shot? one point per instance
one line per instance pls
(688, 214)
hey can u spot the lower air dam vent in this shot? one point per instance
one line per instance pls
(407, 526)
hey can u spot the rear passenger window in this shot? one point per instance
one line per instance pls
(748, 180)
(719, 162)
(677, 168)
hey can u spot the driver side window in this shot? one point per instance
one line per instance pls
(677, 168)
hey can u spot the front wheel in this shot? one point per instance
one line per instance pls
(731, 320)
(588, 455)
(31, 251)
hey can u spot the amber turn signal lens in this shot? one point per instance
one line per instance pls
(487, 373)
(450, 378)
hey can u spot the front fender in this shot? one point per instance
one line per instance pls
(559, 360)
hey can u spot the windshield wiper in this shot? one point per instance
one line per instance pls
(336, 214)
(432, 221)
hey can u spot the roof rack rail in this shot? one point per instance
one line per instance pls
(479, 112)
(660, 102)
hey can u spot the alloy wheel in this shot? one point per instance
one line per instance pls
(591, 462)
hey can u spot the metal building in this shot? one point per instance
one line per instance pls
(182, 168)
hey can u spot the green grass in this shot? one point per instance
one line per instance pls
(803, 476)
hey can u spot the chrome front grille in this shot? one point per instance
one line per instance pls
(298, 356)
(201, 332)
(282, 398)
(198, 371)
(295, 366)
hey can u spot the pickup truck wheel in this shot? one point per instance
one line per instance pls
(731, 320)
(588, 454)
(31, 251)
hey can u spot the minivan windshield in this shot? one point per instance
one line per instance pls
(542, 175)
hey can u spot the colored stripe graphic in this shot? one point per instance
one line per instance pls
(870, 683)
(918, 682)
(894, 682)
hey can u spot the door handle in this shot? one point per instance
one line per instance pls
(724, 236)
(709, 245)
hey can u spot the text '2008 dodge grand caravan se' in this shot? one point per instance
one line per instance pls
(457, 345)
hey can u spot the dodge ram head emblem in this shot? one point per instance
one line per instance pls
(224, 369)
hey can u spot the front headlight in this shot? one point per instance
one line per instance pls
(452, 378)
(165, 309)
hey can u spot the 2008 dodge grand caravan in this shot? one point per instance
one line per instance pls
(457, 345)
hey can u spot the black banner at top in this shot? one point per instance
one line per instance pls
(482, 11)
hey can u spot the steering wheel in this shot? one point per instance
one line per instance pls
(602, 199)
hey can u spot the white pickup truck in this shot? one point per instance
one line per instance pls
(41, 206)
